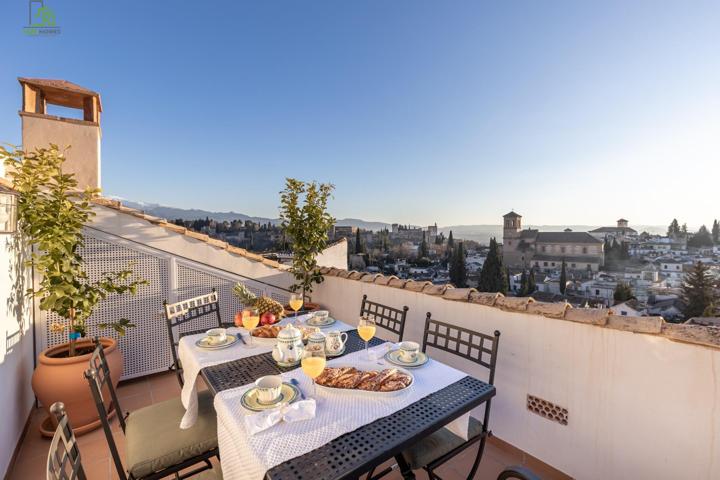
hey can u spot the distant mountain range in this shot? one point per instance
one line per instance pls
(479, 233)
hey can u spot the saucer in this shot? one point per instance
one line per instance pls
(205, 343)
(336, 354)
(394, 358)
(324, 323)
(288, 394)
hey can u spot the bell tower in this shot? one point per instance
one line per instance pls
(39, 129)
(512, 224)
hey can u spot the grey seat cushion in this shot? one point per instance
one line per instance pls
(438, 444)
(155, 440)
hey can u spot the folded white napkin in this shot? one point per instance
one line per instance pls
(376, 353)
(294, 412)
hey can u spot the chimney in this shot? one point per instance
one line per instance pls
(83, 136)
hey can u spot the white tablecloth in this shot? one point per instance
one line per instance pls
(193, 359)
(249, 457)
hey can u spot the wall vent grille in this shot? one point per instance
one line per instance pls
(548, 410)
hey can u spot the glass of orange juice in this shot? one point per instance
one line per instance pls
(296, 302)
(250, 321)
(313, 362)
(366, 330)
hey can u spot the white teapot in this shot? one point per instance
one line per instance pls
(289, 347)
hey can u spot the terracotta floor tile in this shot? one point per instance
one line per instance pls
(136, 402)
(132, 387)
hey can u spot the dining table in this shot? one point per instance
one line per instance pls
(351, 434)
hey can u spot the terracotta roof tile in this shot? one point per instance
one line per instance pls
(593, 316)
(397, 283)
(484, 298)
(384, 280)
(519, 304)
(416, 286)
(436, 290)
(370, 277)
(553, 310)
(458, 294)
(356, 275)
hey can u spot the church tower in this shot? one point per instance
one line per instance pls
(512, 224)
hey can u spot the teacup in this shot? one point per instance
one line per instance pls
(216, 336)
(335, 341)
(320, 317)
(409, 351)
(268, 389)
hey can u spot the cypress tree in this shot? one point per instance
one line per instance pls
(358, 244)
(423, 248)
(563, 278)
(458, 271)
(451, 242)
(492, 275)
(697, 291)
(674, 228)
(716, 232)
(523, 285)
(532, 286)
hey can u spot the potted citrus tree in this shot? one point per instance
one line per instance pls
(51, 215)
(305, 220)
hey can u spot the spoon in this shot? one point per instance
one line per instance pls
(297, 385)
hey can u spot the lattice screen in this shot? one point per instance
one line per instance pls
(145, 348)
(193, 282)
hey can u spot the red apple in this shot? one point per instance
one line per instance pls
(267, 318)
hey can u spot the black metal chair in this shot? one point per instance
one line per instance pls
(63, 461)
(156, 446)
(178, 314)
(389, 318)
(442, 445)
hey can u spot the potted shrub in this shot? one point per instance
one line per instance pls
(306, 222)
(51, 216)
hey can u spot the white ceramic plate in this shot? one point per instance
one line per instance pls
(206, 345)
(367, 367)
(311, 322)
(393, 356)
(289, 393)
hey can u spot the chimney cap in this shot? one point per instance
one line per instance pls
(61, 92)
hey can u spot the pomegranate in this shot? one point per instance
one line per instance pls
(267, 318)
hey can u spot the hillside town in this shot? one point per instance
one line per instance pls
(635, 273)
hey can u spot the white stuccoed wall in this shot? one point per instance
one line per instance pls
(16, 350)
(640, 406)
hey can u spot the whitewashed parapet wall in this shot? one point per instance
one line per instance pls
(640, 405)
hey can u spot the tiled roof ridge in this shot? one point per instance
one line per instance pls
(601, 317)
(161, 222)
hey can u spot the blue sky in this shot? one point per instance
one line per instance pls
(419, 112)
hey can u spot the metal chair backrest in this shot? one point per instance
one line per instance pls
(63, 461)
(463, 342)
(179, 315)
(390, 318)
(99, 380)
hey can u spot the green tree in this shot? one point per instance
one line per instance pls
(702, 238)
(423, 251)
(359, 247)
(684, 229)
(563, 278)
(532, 286)
(523, 291)
(674, 228)
(698, 291)
(451, 242)
(716, 232)
(52, 215)
(458, 270)
(492, 275)
(306, 221)
(623, 292)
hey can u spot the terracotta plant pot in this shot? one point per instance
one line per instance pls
(61, 379)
